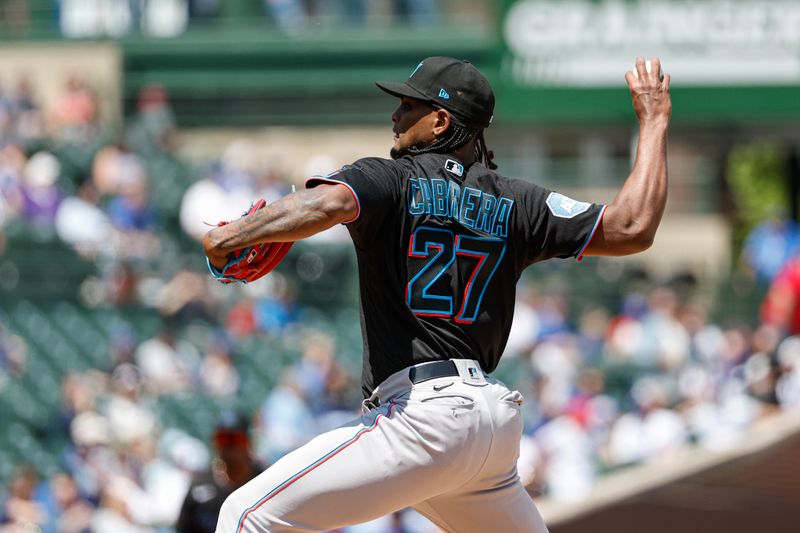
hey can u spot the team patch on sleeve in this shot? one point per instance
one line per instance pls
(565, 207)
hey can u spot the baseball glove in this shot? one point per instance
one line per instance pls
(251, 263)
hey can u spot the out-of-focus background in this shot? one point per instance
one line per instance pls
(662, 390)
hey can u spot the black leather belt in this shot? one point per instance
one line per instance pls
(438, 369)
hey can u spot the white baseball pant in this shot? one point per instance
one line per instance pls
(446, 447)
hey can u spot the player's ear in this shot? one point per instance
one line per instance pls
(441, 122)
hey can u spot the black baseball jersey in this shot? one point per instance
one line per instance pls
(440, 248)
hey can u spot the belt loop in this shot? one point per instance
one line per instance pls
(368, 405)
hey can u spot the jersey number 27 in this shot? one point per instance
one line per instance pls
(439, 253)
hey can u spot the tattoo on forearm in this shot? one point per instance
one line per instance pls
(284, 217)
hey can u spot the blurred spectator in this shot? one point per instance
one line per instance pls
(569, 472)
(153, 484)
(39, 194)
(122, 344)
(233, 467)
(593, 326)
(115, 459)
(184, 299)
(130, 209)
(13, 354)
(30, 186)
(652, 337)
(654, 432)
(67, 511)
(78, 395)
(112, 167)
(20, 509)
(12, 163)
(121, 280)
(81, 223)
(525, 328)
(761, 367)
(20, 119)
(130, 416)
(28, 118)
(286, 420)
(556, 361)
(218, 376)
(770, 245)
(88, 459)
(241, 319)
(787, 389)
(781, 306)
(7, 133)
(73, 114)
(278, 310)
(319, 376)
(153, 127)
(112, 513)
(119, 175)
(166, 362)
(669, 343)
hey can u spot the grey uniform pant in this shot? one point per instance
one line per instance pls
(446, 447)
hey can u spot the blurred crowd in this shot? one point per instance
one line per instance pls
(639, 385)
(65, 172)
(169, 18)
(32, 180)
(125, 465)
(603, 391)
(606, 386)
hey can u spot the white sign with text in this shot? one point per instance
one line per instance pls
(593, 43)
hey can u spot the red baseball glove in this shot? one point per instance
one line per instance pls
(251, 263)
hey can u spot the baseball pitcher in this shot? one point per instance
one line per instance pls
(441, 240)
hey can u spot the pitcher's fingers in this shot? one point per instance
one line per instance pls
(655, 67)
(641, 68)
(630, 78)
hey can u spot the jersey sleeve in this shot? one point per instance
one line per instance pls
(375, 185)
(558, 226)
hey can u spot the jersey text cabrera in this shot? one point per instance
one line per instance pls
(471, 207)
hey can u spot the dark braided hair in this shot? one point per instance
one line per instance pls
(483, 154)
(456, 137)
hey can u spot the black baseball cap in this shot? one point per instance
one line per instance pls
(452, 84)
